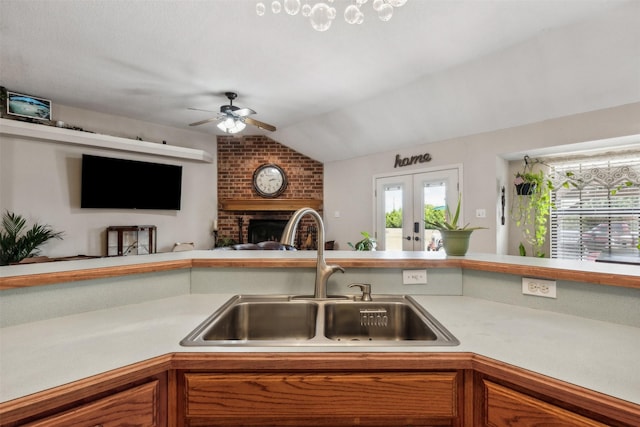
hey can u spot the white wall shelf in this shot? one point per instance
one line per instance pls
(69, 136)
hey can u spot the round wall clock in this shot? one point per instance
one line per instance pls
(269, 180)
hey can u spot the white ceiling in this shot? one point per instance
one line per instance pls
(439, 69)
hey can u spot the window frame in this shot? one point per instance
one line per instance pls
(596, 207)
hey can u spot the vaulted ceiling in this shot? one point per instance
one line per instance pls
(438, 69)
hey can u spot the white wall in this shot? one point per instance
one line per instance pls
(349, 188)
(41, 181)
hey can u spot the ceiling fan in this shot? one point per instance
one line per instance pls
(233, 119)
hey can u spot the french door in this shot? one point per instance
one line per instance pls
(403, 202)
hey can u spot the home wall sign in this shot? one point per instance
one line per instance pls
(408, 161)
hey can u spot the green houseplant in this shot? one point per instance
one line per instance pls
(18, 243)
(531, 208)
(455, 239)
(368, 243)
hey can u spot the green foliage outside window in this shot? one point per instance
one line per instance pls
(394, 219)
(431, 214)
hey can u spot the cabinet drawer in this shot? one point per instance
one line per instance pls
(506, 407)
(134, 407)
(288, 399)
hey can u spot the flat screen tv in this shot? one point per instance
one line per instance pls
(111, 183)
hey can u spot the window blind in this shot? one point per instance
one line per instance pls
(598, 214)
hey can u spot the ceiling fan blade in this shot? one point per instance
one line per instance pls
(244, 112)
(261, 125)
(213, 119)
(200, 109)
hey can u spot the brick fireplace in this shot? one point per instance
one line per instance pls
(238, 157)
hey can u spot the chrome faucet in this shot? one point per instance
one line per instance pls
(323, 271)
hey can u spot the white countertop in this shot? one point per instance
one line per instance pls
(84, 264)
(596, 355)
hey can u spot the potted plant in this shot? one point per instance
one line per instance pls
(527, 182)
(366, 244)
(455, 239)
(17, 243)
(531, 207)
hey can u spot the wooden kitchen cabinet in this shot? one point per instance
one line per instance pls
(507, 407)
(132, 397)
(135, 407)
(323, 389)
(321, 399)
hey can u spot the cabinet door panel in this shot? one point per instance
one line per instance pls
(506, 407)
(134, 407)
(365, 399)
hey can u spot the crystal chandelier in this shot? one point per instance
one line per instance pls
(322, 13)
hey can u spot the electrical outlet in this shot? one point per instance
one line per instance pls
(481, 213)
(414, 277)
(539, 287)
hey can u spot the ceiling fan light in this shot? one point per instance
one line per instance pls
(222, 126)
(260, 9)
(239, 127)
(230, 125)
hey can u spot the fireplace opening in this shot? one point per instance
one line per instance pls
(262, 230)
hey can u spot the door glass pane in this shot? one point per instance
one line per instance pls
(393, 217)
(434, 197)
(404, 201)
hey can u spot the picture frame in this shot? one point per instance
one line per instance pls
(21, 105)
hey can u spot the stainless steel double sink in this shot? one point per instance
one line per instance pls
(286, 320)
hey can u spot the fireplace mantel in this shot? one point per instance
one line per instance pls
(268, 204)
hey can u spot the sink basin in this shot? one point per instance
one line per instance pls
(264, 318)
(286, 320)
(369, 321)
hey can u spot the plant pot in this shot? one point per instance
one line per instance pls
(525, 189)
(456, 242)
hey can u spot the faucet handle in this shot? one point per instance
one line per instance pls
(365, 288)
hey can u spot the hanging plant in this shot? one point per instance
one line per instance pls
(531, 207)
(525, 184)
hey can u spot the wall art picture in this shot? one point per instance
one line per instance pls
(29, 106)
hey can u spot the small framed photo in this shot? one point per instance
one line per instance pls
(28, 106)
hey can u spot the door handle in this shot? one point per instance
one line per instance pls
(408, 238)
(416, 227)
(417, 239)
